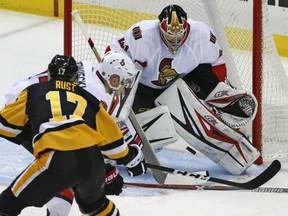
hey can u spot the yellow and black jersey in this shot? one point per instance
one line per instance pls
(63, 116)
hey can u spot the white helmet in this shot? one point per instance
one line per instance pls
(117, 64)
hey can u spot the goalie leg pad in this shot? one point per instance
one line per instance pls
(201, 129)
(157, 125)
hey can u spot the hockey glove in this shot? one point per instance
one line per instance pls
(137, 165)
(113, 181)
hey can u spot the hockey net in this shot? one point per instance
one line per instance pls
(232, 21)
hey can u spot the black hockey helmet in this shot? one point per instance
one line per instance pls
(173, 26)
(64, 68)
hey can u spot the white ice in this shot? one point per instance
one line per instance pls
(27, 44)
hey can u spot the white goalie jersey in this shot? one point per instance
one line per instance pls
(143, 43)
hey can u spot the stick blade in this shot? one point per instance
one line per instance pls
(259, 180)
(265, 176)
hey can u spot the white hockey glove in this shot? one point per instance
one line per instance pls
(137, 165)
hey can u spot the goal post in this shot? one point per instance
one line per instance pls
(67, 27)
(257, 70)
(243, 31)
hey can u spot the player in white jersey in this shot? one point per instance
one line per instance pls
(175, 47)
(100, 85)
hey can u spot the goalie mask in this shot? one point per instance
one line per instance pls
(173, 27)
(117, 69)
(63, 68)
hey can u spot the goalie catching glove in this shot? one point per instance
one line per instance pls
(234, 107)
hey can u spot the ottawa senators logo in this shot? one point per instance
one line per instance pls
(166, 73)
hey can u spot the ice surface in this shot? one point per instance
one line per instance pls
(27, 44)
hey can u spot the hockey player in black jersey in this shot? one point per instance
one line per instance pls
(122, 69)
(71, 132)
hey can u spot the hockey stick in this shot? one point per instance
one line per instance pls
(203, 187)
(79, 20)
(117, 93)
(150, 156)
(256, 182)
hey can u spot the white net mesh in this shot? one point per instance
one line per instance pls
(232, 23)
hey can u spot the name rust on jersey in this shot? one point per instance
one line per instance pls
(65, 85)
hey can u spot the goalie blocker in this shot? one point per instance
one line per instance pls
(204, 131)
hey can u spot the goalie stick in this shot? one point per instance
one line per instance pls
(78, 19)
(150, 156)
(256, 182)
(148, 152)
(203, 187)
